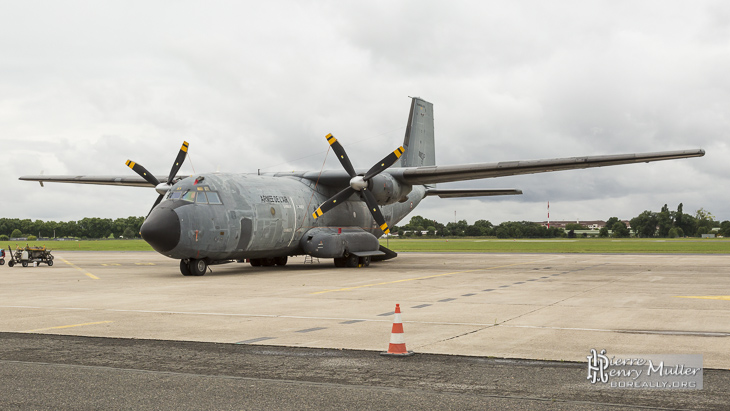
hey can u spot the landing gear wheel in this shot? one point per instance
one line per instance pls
(255, 262)
(351, 260)
(267, 262)
(25, 263)
(280, 261)
(198, 267)
(364, 261)
(11, 263)
(50, 263)
(340, 262)
(185, 268)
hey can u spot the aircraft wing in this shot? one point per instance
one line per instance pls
(133, 181)
(469, 192)
(445, 174)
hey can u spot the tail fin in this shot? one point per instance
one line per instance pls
(419, 143)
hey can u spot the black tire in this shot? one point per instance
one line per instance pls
(50, 263)
(280, 261)
(24, 263)
(268, 262)
(184, 268)
(340, 262)
(255, 262)
(198, 267)
(11, 263)
(351, 260)
(364, 261)
(2, 262)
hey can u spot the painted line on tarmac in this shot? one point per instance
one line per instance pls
(67, 326)
(88, 274)
(705, 297)
(432, 276)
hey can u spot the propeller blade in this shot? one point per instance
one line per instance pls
(341, 155)
(374, 209)
(178, 162)
(388, 161)
(333, 202)
(143, 172)
(159, 198)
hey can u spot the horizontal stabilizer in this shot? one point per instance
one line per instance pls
(456, 193)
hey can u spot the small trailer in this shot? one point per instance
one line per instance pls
(29, 255)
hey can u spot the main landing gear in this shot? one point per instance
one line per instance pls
(193, 267)
(352, 261)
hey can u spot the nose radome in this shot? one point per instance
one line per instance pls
(161, 229)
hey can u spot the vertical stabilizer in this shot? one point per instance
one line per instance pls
(419, 143)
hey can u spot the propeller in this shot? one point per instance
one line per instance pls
(358, 183)
(161, 188)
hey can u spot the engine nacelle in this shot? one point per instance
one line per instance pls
(387, 190)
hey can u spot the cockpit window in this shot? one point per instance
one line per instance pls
(189, 196)
(213, 198)
(199, 196)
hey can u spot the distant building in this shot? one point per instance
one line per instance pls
(591, 224)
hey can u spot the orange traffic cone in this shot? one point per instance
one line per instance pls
(397, 346)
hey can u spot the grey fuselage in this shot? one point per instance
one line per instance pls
(257, 216)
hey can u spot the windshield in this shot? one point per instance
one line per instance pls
(198, 195)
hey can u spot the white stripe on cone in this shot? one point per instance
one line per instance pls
(397, 346)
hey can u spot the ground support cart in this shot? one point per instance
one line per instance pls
(29, 255)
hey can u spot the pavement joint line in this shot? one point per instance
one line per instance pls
(67, 326)
(352, 321)
(309, 330)
(254, 340)
(430, 276)
(297, 317)
(88, 274)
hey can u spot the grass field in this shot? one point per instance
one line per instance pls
(592, 245)
(88, 245)
(470, 245)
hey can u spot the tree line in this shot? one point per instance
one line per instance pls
(85, 228)
(665, 224)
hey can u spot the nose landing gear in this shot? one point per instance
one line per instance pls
(193, 267)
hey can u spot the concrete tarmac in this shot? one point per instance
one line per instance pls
(553, 307)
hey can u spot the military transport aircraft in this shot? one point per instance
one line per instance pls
(216, 218)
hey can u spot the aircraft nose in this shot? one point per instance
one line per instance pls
(161, 229)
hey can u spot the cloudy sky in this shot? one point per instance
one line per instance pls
(86, 85)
